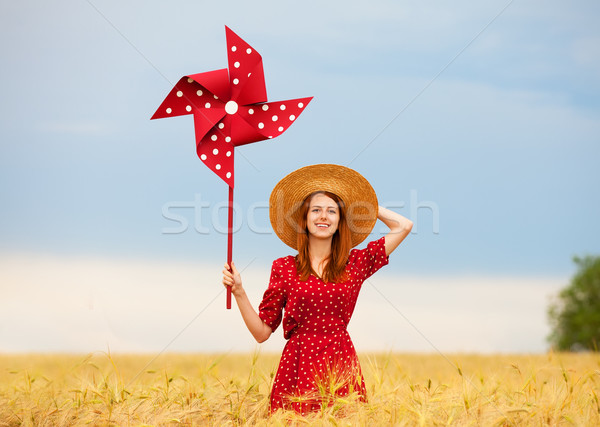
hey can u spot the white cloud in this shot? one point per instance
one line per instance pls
(79, 304)
(449, 314)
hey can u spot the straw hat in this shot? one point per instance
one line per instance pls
(350, 186)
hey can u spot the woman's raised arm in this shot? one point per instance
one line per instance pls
(399, 228)
(259, 329)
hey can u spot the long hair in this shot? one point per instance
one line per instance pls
(341, 243)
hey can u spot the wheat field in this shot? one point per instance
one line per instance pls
(233, 389)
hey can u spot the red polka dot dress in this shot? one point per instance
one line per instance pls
(319, 360)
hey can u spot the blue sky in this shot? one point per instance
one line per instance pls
(479, 121)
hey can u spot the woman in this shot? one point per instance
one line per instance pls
(322, 211)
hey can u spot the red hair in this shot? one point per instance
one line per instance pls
(341, 243)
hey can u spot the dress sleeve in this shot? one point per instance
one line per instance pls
(274, 299)
(370, 259)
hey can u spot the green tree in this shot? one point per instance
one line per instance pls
(575, 313)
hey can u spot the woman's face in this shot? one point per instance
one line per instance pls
(323, 216)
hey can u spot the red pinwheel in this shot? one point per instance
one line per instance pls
(230, 109)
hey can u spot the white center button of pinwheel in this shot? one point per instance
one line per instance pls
(231, 107)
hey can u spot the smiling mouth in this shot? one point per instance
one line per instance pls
(323, 225)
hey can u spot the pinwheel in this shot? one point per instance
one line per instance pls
(230, 108)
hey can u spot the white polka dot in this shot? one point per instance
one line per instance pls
(300, 105)
(214, 137)
(231, 107)
(215, 96)
(261, 125)
(233, 48)
(190, 80)
(248, 51)
(280, 129)
(169, 111)
(249, 74)
(218, 167)
(265, 107)
(221, 125)
(215, 151)
(207, 105)
(227, 139)
(179, 93)
(203, 156)
(228, 154)
(235, 81)
(188, 108)
(228, 174)
(274, 118)
(236, 64)
(292, 117)
(199, 92)
(250, 111)
(282, 107)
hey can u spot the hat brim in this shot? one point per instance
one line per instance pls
(350, 186)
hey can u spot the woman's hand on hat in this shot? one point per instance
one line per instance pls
(231, 277)
(399, 226)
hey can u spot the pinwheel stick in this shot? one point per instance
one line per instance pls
(229, 240)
